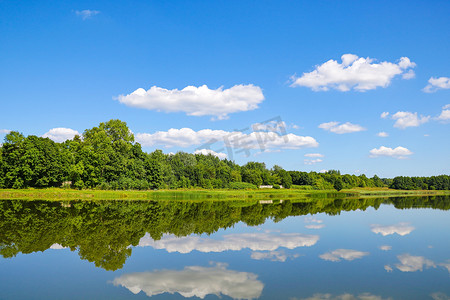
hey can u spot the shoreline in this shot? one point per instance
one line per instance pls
(58, 194)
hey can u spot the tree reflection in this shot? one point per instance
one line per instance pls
(102, 231)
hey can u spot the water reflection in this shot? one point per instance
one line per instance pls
(280, 256)
(400, 229)
(346, 254)
(194, 281)
(235, 242)
(410, 263)
(363, 296)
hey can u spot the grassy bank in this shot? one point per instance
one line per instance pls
(69, 194)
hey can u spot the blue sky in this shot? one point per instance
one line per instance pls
(66, 65)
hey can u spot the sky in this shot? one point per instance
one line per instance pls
(358, 86)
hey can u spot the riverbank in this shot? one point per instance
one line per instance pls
(193, 194)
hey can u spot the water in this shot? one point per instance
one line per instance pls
(396, 248)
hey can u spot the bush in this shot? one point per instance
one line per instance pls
(276, 186)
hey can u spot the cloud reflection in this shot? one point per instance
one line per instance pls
(410, 263)
(236, 242)
(194, 281)
(363, 296)
(280, 256)
(347, 254)
(400, 229)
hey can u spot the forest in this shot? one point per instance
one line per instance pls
(107, 157)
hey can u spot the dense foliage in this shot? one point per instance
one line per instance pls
(107, 157)
(102, 231)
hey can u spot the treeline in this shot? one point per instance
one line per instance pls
(107, 157)
(441, 182)
(102, 231)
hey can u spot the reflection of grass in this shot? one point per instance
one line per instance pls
(193, 194)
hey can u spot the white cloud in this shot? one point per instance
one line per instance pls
(400, 229)
(314, 155)
(385, 247)
(87, 13)
(209, 151)
(323, 171)
(410, 263)
(406, 119)
(388, 268)
(339, 254)
(384, 115)
(312, 161)
(343, 128)
(409, 75)
(194, 281)
(363, 296)
(445, 114)
(434, 84)
(399, 152)
(5, 131)
(186, 137)
(235, 242)
(354, 72)
(280, 256)
(382, 134)
(60, 134)
(197, 101)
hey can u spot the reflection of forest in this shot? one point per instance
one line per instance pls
(102, 231)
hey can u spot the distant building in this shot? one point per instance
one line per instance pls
(266, 186)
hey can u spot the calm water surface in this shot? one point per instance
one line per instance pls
(396, 248)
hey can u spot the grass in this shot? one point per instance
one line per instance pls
(193, 194)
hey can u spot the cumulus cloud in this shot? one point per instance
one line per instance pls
(347, 296)
(87, 13)
(384, 115)
(235, 242)
(410, 263)
(445, 114)
(388, 268)
(312, 161)
(382, 134)
(211, 152)
(358, 73)
(399, 152)
(400, 229)
(406, 119)
(60, 134)
(339, 254)
(194, 281)
(197, 101)
(385, 247)
(280, 256)
(5, 131)
(434, 84)
(314, 155)
(186, 137)
(342, 128)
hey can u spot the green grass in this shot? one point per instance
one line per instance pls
(193, 194)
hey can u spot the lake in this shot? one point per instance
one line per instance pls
(326, 248)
